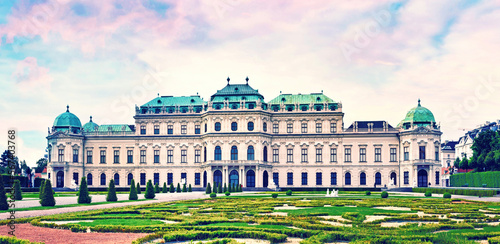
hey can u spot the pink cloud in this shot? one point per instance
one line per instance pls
(29, 75)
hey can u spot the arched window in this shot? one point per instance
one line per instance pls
(265, 154)
(378, 178)
(103, 179)
(217, 178)
(264, 127)
(250, 153)
(217, 153)
(250, 126)
(217, 126)
(234, 153)
(89, 179)
(130, 177)
(204, 154)
(206, 127)
(348, 179)
(362, 179)
(233, 178)
(234, 126)
(117, 179)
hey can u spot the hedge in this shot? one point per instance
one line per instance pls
(203, 235)
(478, 179)
(8, 182)
(467, 192)
(14, 240)
(494, 240)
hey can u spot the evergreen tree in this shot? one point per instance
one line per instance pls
(172, 189)
(48, 195)
(150, 192)
(3, 198)
(208, 190)
(220, 188)
(111, 197)
(18, 194)
(164, 189)
(138, 188)
(231, 187)
(225, 187)
(83, 192)
(184, 189)
(133, 191)
(190, 189)
(178, 190)
(214, 190)
(157, 188)
(40, 194)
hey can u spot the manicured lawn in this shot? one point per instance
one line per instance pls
(127, 222)
(339, 211)
(65, 206)
(233, 224)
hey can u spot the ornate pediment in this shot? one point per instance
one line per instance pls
(422, 130)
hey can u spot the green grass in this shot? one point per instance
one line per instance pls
(68, 205)
(126, 222)
(240, 224)
(334, 210)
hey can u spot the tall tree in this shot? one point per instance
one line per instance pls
(18, 194)
(40, 165)
(3, 198)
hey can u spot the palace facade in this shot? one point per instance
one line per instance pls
(294, 140)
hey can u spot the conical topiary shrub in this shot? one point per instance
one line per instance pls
(48, 195)
(214, 190)
(164, 189)
(138, 188)
(3, 198)
(231, 188)
(18, 194)
(133, 191)
(111, 192)
(178, 189)
(157, 188)
(184, 189)
(225, 187)
(220, 188)
(150, 191)
(208, 190)
(40, 193)
(172, 189)
(190, 189)
(83, 192)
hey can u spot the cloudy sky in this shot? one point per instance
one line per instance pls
(377, 57)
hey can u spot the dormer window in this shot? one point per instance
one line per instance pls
(159, 101)
(192, 100)
(236, 89)
(318, 99)
(283, 99)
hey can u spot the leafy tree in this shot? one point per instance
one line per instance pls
(3, 198)
(157, 188)
(164, 188)
(18, 194)
(138, 188)
(133, 191)
(172, 189)
(150, 192)
(48, 195)
(486, 152)
(83, 192)
(208, 190)
(111, 192)
(464, 164)
(190, 189)
(40, 165)
(184, 189)
(178, 189)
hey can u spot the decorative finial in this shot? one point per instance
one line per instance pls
(158, 94)
(321, 91)
(228, 80)
(419, 102)
(247, 80)
(91, 118)
(67, 108)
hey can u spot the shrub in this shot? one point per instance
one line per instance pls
(274, 195)
(164, 189)
(171, 188)
(214, 190)
(227, 193)
(150, 192)
(225, 187)
(446, 195)
(208, 190)
(3, 197)
(190, 189)
(384, 194)
(138, 188)
(15, 240)
(18, 194)
(40, 194)
(111, 192)
(485, 185)
(83, 192)
(220, 188)
(133, 191)
(289, 192)
(469, 192)
(184, 189)
(157, 188)
(368, 193)
(428, 193)
(48, 195)
(213, 195)
(178, 189)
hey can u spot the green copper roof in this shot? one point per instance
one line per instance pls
(238, 90)
(301, 99)
(174, 101)
(90, 126)
(418, 114)
(67, 119)
(114, 128)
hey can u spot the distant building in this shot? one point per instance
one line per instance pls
(447, 160)
(464, 146)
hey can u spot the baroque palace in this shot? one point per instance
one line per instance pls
(293, 140)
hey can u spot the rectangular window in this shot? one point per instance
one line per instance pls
(157, 129)
(156, 178)
(289, 128)
(378, 154)
(319, 178)
(89, 157)
(421, 150)
(130, 156)
(183, 129)
(333, 127)
(406, 177)
(103, 156)
(197, 179)
(197, 129)
(170, 129)
(319, 128)
(184, 156)
(289, 155)
(276, 178)
(170, 156)
(60, 157)
(276, 155)
(197, 155)
(184, 178)
(333, 154)
(143, 130)
(333, 178)
(75, 155)
(289, 178)
(156, 157)
(170, 178)
(347, 153)
(362, 154)
(437, 154)
(143, 179)
(143, 157)
(394, 156)
(319, 154)
(406, 153)
(116, 156)
(437, 177)
(276, 128)
(304, 178)
(303, 128)
(303, 157)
